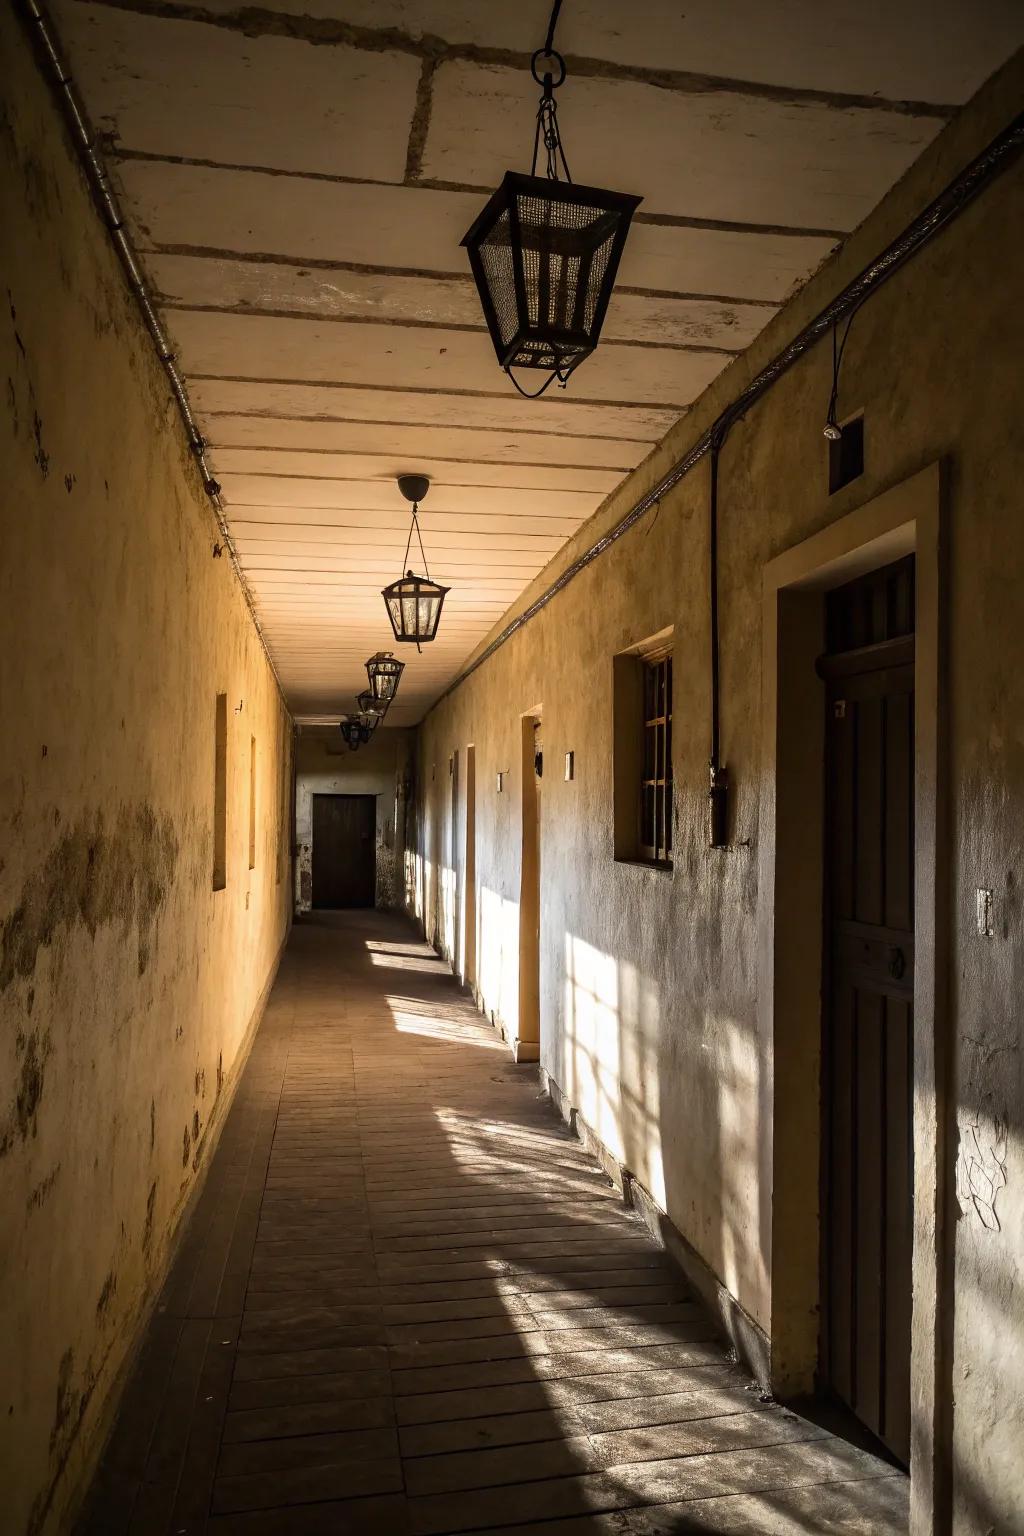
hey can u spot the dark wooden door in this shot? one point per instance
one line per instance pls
(867, 1210)
(344, 850)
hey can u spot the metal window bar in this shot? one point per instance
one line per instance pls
(656, 780)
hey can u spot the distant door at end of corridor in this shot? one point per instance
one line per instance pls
(344, 850)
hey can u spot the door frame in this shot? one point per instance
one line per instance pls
(468, 909)
(527, 1043)
(336, 794)
(904, 520)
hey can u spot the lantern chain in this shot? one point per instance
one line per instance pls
(547, 130)
(547, 112)
(549, 41)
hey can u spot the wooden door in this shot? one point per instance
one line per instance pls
(344, 850)
(867, 1209)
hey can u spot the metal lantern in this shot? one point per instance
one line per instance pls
(368, 705)
(544, 253)
(414, 602)
(353, 732)
(357, 729)
(414, 607)
(384, 673)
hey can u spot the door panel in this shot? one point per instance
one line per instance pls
(344, 850)
(867, 1219)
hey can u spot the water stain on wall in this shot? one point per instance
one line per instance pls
(147, 1231)
(41, 1192)
(106, 1295)
(72, 1400)
(98, 873)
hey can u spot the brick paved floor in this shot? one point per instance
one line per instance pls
(408, 1303)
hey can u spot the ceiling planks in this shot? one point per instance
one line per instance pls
(298, 177)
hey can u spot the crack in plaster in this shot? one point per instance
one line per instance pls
(420, 126)
(981, 1167)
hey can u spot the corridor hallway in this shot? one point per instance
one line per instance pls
(407, 1301)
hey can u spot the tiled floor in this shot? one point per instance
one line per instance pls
(408, 1303)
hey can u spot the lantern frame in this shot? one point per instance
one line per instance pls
(411, 587)
(357, 729)
(384, 673)
(537, 345)
(368, 705)
(352, 732)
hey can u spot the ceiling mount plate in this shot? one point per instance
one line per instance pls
(413, 487)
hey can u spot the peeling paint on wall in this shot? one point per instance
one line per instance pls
(126, 982)
(93, 875)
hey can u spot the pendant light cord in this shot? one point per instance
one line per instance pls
(838, 348)
(408, 543)
(535, 394)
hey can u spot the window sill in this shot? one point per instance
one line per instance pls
(658, 866)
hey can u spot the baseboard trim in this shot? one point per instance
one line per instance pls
(747, 1339)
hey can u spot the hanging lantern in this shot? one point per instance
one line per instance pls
(414, 602)
(368, 705)
(352, 732)
(384, 673)
(357, 729)
(544, 252)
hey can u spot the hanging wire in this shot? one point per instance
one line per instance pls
(832, 427)
(408, 543)
(535, 394)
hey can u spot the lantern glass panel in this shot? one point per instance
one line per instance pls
(370, 706)
(414, 607)
(384, 674)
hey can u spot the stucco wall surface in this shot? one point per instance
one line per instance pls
(649, 1016)
(324, 765)
(127, 985)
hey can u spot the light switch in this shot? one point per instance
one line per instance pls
(501, 782)
(570, 766)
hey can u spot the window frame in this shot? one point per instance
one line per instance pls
(656, 779)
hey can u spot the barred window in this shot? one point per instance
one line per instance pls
(656, 777)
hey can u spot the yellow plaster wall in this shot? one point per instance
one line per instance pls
(128, 987)
(649, 1017)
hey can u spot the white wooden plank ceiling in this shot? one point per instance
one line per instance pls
(298, 177)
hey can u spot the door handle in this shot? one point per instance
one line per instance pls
(897, 963)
